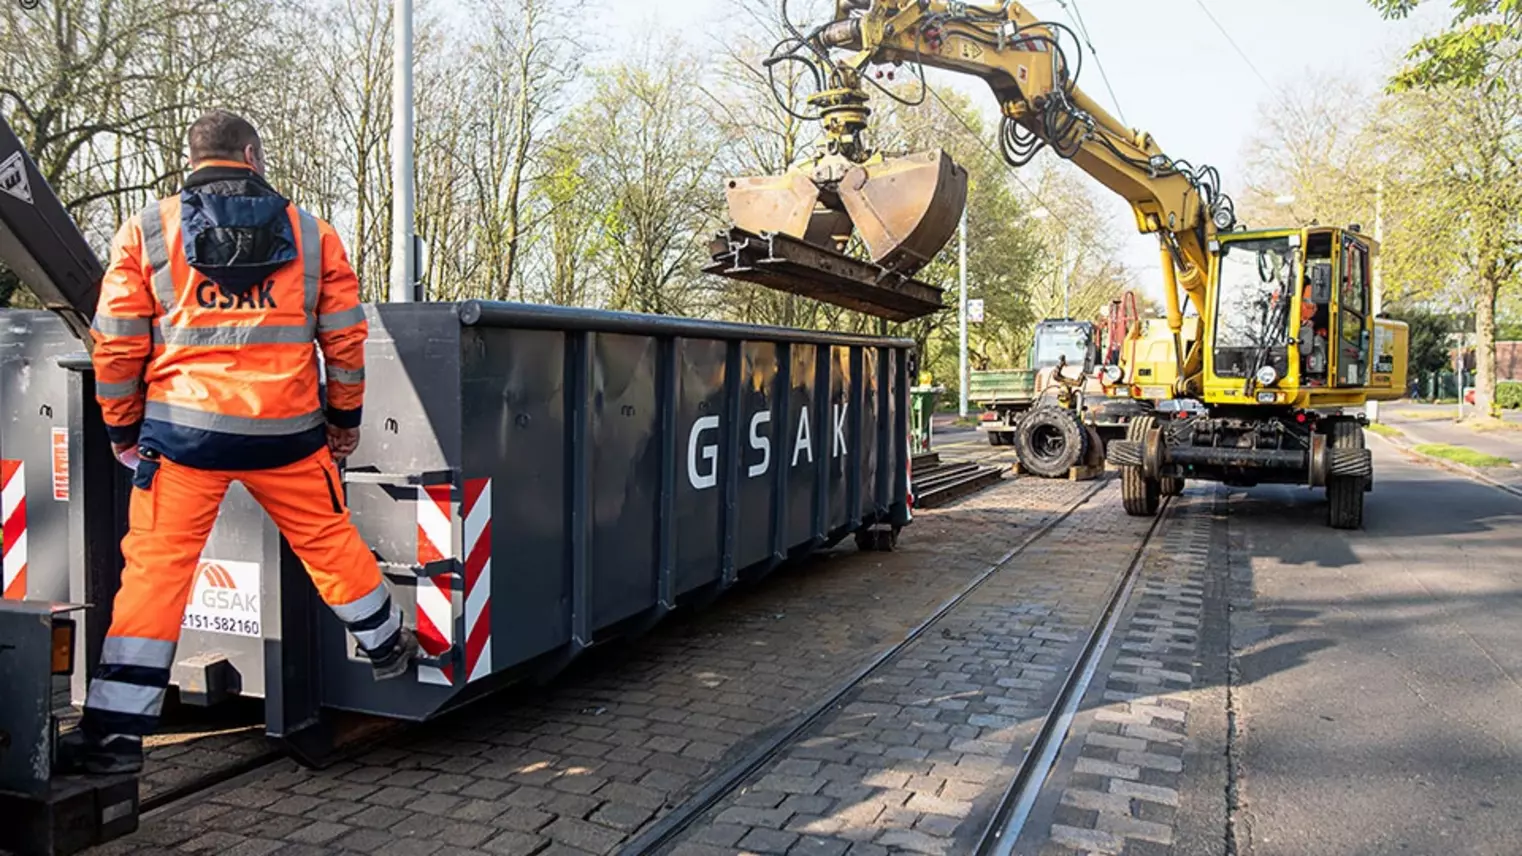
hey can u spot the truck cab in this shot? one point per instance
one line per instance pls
(1076, 348)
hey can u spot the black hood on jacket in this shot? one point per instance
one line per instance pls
(235, 227)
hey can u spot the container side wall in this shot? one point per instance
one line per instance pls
(760, 452)
(513, 393)
(701, 369)
(413, 414)
(867, 425)
(799, 444)
(35, 445)
(626, 459)
(837, 439)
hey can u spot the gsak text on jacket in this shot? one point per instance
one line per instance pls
(210, 310)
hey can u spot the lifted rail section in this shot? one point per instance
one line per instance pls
(784, 263)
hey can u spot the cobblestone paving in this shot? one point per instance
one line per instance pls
(191, 744)
(579, 767)
(914, 759)
(1116, 785)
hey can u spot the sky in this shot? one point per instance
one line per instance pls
(1174, 74)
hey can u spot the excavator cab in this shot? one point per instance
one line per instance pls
(1295, 324)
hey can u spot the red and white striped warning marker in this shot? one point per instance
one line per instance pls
(13, 535)
(435, 611)
(435, 601)
(477, 579)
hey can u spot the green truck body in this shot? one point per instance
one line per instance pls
(1004, 395)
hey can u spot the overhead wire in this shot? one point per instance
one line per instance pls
(1077, 15)
(1233, 42)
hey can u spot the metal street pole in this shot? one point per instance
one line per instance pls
(403, 261)
(962, 315)
(1371, 409)
(1066, 280)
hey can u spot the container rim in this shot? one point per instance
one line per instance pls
(488, 313)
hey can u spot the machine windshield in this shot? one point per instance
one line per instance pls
(1053, 342)
(1257, 285)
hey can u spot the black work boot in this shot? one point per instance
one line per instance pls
(393, 663)
(79, 754)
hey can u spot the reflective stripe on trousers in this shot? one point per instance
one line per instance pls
(127, 692)
(373, 620)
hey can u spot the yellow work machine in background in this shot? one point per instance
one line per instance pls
(1286, 349)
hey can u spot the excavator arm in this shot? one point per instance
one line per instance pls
(1025, 64)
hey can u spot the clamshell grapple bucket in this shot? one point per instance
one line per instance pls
(904, 209)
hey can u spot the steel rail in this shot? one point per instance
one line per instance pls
(665, 830)
(1013, 810)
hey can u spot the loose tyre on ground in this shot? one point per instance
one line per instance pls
(1050, 441)
(1139, 494)
(1344, 494)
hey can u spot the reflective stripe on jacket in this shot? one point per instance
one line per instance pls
(208, 316)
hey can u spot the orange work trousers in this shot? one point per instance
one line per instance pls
(169, 523)
(171, 515)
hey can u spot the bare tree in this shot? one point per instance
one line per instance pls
(647, 153)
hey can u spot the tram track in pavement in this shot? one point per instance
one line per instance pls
(264, 771)
(721, 784)
(658, 836)
(1014, 807)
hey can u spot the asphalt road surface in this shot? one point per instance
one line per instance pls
(1377, 696)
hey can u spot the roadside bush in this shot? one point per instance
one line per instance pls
(1509, 394)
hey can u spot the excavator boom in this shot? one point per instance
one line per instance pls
(906, 208)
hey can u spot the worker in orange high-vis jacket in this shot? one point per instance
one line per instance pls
(211, 314)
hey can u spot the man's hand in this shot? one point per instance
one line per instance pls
(126, 453)
(342, 441)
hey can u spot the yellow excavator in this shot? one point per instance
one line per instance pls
(1288, 348)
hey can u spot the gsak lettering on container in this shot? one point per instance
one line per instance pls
(703, 448)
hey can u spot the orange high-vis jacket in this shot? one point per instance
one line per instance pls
(227, 378)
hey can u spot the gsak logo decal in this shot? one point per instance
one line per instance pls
(210, 295)
(703, 444)
(225, 599)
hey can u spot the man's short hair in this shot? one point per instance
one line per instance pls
(221, 135)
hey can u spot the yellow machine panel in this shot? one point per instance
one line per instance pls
(1149, 358)
(1392, 345)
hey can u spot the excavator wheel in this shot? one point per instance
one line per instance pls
(1050, 441)
(1139, 494)
(1344, 494)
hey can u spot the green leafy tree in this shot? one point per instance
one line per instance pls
(1430, 338)
(1482, 34)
